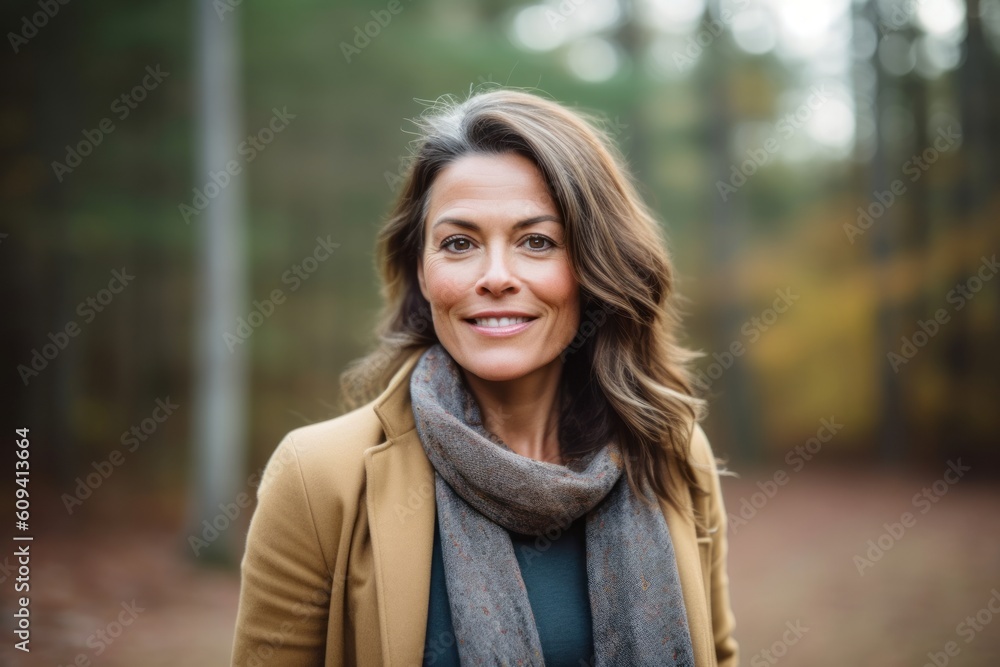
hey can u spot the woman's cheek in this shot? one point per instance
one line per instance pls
(560, 291)
(445, 288)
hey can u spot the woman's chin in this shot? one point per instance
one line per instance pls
(499, 365)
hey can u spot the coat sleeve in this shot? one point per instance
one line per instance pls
(723, 621)
(285, 583)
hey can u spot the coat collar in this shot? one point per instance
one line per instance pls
(401, 505)
(393, 404)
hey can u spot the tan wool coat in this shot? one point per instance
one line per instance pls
(337, 565)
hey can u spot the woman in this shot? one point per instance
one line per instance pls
(527, 483)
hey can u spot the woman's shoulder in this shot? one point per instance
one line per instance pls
(699, 449)
(321, 466)
(704, 464)
(345, 436)
(333, 450)
(329, 454)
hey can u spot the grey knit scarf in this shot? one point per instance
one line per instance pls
(483, 489)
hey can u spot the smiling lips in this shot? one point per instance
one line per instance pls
(499, 321)
(500, 325)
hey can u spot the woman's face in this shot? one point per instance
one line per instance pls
(495, 269)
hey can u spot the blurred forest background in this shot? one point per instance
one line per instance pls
(827, 176)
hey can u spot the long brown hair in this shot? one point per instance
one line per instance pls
(624, 376)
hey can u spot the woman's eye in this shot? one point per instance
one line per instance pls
(453, 244)
(538, 243)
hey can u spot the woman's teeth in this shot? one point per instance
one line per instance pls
(499, 321)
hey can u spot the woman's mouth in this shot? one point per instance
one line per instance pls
(500, 326)
(498, 321)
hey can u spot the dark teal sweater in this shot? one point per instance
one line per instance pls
(555, 574)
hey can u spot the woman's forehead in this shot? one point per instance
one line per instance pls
(507, 184)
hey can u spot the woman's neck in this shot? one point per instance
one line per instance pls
(523, 412)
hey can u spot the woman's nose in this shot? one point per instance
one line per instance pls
(497, 276)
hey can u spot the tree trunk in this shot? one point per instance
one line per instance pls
(220, 373)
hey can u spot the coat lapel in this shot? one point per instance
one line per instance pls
(401, 505)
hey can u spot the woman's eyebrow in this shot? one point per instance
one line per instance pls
(523, 223)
